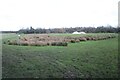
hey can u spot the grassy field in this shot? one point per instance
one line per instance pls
(91, 59)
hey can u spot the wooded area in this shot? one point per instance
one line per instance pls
(101, 29)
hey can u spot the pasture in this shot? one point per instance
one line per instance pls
(86, 59)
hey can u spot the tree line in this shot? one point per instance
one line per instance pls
(101, 29)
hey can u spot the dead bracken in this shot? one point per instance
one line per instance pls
(46, 40)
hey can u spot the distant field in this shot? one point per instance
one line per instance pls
(91, 59)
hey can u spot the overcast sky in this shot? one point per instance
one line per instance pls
(17, 14)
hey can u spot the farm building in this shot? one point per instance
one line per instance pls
(78, 32)
(75, 32)
(82, 32)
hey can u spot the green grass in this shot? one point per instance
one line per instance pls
(91, 59)
(88, 34)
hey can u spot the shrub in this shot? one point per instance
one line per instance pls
(4, 42)
(99, 38)
(37, 37)
(8, 40)
(48, 44)
(64, 43)
(109, 36)
(25, 39)
(59, 44)
(82, 39)
(113, 36)
(77, 40)
(14, 43)
(41, 39)
(67, 40)
(72, 41)
(88, 38)
(94, 38)
(104, 38)
(43, 44)
(32, 44)
(68, 37)
(10, 43)
(38, 44)
(24, 44)
(53, 43)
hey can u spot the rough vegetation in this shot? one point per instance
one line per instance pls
(100, 29)
(47, 40)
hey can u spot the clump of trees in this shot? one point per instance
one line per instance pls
(101, 29)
